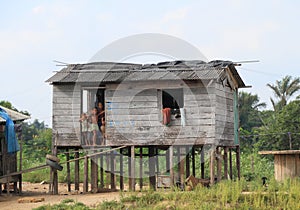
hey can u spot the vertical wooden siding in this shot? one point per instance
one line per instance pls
(66, 112)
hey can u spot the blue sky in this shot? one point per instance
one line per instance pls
(34, 33)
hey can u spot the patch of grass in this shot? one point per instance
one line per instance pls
(111, 205)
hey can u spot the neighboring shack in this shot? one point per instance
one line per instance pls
(8, 161)
(202, 98)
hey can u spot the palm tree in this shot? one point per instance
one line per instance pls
(248, 110)
(283, 90)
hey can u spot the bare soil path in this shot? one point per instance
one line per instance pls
(36, 190)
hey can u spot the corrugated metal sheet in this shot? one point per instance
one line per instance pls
(15, 116)
(107, 72)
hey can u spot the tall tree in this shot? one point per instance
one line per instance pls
(283, 90)
(248, 110)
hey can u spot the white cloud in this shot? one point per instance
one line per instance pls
(175, 15)
(38, 9)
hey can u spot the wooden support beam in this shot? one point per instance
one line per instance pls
(68, 170)
(181, 168)
(238, 167)
(178, 164)
(132, 160)
(76, 155)
(171, 152)
(94, 174)
(141, 168)
(129, 168)
(193, 162)
(112, 171)
(55, 176)
(121, 171)
(219, 163)
(225, 159)
(20, 164)
(202, 163)
(101, 171)
(86, 174)
(168, 161)
(156, 160)
(230, 163)
(212, 166)
(107, 174)
(152, 179)
(187, 161)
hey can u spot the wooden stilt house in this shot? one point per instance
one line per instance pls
(8, 160)
(171, 110)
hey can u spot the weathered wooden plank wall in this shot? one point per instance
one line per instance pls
(133, 115)
(224, 115)
(66, 112)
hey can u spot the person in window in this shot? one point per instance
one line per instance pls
(100, 114)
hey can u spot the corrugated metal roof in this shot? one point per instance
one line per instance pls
(15, 116)
(107, 72)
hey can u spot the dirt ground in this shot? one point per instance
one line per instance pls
(36, 190)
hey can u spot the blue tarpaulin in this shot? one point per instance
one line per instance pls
(10, 135)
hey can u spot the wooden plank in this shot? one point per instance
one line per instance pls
(122, 99)
(141, 168)
(187, 161)
(219, 164)
(85, 175)
(77, 175)
(225, 159)
(193, 162)
(112, 171)
(121, 171)
(68, 170)
(101, 171)
(152, 179)
(230, 164)
(132, 160)
(212, 166)
(238, 166)
(171, 153)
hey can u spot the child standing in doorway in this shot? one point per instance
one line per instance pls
(94, 126)
(84, 127)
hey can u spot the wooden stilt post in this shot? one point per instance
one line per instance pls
(20, 164)
(238, 161)
(230, 163)
(181, 166)
(156, 160)
(178, 165)
(219, 164)
(94, 174)
(121, 171)
(132, 160)
(171, 152)
(202, 163)
(152, 179)
(225, 158)
(86, 175)
(193, 162)
(141, 168)
(187, 161)
(129, 168)
(112, 170)
(76, 171)
(107, 171)
(68, 170)
(101, 171)
(168, 161)
(212, 166)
